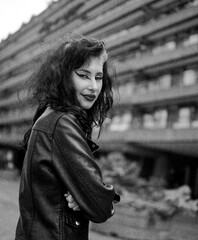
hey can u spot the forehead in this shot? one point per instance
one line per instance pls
(94, 64)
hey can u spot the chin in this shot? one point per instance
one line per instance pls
(87, 106)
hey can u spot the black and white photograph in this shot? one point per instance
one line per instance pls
(98, 119)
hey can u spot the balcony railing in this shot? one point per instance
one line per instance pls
(182, 141)
(16, 117)
(15, 99)
(172, 95)
(189, 54)
(176, 22)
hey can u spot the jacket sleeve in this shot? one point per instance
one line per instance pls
(81, 176)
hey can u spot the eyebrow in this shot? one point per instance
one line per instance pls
(84, 70)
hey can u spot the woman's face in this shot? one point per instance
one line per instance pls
(88, 81)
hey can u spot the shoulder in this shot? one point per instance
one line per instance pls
(50, 120)
(68, 122)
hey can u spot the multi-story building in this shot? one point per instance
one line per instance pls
(154, 47)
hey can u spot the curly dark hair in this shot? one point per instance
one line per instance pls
(51, 84)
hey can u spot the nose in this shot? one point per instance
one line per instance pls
(93, 84)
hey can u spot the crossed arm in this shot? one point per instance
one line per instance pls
(74, 163)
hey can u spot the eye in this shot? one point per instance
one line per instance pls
(81, 75)
(99, 78)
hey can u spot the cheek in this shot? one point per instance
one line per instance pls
(100, 86)
(76, 84)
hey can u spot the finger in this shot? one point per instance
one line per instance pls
(70, 199)
(76, 208)
(66, 194)
(71, 202)
(72, 205)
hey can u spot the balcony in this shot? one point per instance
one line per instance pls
(159, 62)
(174, 95)
(15, 117)
(179, 141)
(175, 23)
(15, 99)
(15, 81)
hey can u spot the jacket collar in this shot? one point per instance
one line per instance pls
(93, 146)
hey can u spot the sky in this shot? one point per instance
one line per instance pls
(13, 13)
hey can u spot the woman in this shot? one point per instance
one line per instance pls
(61, 187)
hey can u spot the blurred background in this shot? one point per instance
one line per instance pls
(149, 145)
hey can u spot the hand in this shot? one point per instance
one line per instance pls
(71, 202)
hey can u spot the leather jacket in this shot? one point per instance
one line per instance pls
(59, 158)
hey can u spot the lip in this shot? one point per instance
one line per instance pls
(89, 97)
